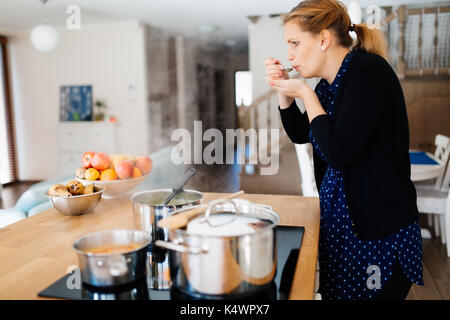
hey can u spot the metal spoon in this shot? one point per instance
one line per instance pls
(286, 69)
(179, 188)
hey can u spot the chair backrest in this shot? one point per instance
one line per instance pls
(442, 153)
(304, 157)
(446, 182)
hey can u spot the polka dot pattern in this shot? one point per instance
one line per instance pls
(343, 258)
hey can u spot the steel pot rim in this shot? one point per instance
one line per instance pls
(136, 194)
(185, 234)
(102, 255)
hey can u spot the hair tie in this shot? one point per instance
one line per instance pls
(352, 27)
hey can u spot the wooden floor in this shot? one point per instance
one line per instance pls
(231, 178)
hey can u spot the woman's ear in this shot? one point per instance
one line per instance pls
(325, 39)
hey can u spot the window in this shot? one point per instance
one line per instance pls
(7, 151)
(243, 83)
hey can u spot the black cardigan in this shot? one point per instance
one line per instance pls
(369, 142)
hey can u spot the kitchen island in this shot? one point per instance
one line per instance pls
(37, 251)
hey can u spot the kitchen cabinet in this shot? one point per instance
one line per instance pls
(77, 137)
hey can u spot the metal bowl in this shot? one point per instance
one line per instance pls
(77, 205)
(112, 269)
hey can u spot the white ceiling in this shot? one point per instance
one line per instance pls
(181, 16)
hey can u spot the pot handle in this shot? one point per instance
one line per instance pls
(180, 248)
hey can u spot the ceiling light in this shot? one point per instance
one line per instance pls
(44, 37)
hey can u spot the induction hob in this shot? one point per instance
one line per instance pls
(289, 241)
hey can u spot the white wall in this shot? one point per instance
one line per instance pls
(110, 57)
(266, 39)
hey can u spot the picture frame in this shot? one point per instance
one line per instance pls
(75, 103)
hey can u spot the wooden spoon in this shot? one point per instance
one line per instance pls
(180, 220)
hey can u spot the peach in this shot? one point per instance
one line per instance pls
(136, 173)
(115, 158)
(144, 164)
(100, 161)
(108, 174)
(124, 169)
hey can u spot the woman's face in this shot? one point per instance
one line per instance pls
(304, 51)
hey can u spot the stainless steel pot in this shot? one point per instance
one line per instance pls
(147, 211)
(225, 265)
(112, 269)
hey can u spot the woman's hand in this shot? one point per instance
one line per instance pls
(274, 72)
(294, 88)
(288, 89)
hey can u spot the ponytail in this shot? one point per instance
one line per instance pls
(371, 40)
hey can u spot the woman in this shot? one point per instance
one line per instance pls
(370, 245)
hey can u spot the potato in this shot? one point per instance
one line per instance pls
(88, 189)
(58, 190)
(80, 172)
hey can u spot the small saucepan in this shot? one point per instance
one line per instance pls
(113, 257)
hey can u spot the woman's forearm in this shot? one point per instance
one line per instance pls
(284, 101)
(312, 105)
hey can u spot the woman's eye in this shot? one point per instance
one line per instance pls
(294, 44)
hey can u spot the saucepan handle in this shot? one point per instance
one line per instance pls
(180, 248)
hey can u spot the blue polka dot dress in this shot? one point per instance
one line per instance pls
(347, 264)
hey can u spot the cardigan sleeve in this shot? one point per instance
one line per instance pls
(295, 123)
(364, 97)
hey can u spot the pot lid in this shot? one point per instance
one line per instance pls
(232, 218)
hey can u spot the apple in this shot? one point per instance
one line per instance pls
(144, 164)
(86, 159)
(100, 161)
(124, 169)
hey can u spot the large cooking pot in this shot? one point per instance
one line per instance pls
(112, 269)
(231, 250)
(147, 211)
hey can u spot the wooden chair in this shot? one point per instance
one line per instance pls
(305, 163)
(442, 152)
(436, 201)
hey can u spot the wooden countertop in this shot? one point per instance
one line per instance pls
(37, 251)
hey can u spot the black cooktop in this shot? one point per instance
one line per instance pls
(289, 241)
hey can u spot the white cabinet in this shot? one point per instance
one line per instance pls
(75, 138)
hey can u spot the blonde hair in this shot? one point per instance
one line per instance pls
(316, 15)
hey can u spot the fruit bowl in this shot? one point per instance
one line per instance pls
(77, 205)
(116, 188)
